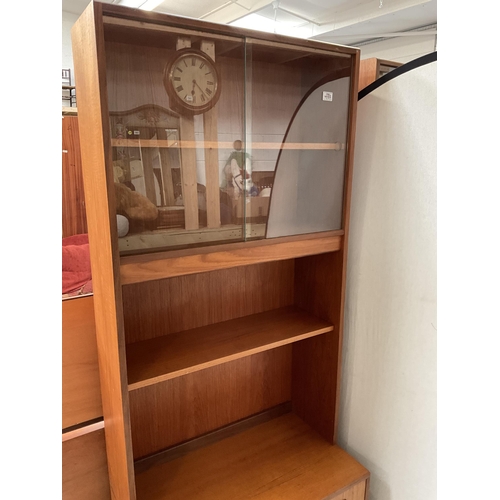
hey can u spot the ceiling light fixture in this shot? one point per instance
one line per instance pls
(139, 4)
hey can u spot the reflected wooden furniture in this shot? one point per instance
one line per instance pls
(219, 365)
(74, 220)
(372, 69)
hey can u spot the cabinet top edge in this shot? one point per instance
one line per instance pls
(121, 12)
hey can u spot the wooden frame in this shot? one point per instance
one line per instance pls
(253, 285)
(373, 68)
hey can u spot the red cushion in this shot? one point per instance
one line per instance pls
(76, 271)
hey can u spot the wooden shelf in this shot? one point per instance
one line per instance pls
(280, 459)
(159, 265)
(164, 143)
(163, 358)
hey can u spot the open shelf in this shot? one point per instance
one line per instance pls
(159, 265)
(163, 358)
(282, 458)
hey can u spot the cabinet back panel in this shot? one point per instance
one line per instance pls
(171, 412)
(161, 307)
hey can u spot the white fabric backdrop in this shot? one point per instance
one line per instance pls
(388, 399)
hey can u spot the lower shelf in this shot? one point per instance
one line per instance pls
(279, 459)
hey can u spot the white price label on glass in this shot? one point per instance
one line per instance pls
(328, 96)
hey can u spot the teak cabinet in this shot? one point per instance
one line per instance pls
(372, 69)
(219, 307)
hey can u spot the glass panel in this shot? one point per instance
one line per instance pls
(221, 139)
(297, 116)
(176, 101)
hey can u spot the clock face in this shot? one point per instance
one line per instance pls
(192, 81)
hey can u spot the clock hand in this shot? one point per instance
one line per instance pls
(194, 82)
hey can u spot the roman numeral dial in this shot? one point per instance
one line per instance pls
(192, 82)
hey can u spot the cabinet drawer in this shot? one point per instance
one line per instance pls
(354, 492)
(84, 466)
(81, 393)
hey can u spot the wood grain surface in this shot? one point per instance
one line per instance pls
(95, 145)
(136, 269)
(84, 468)
(280, 459)
(187, 407)
(174, 355)
(74, 218)
(81, 391)
(162, 307)
(355, 492)
(209, 438)
(367, 72)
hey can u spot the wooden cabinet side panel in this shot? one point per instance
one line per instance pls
(84, 468)
(74, 219)
(81, 392)
(368, 71)
(93, 118)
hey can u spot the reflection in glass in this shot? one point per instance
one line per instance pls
(238, 146)
(296, 131)
(308, 194)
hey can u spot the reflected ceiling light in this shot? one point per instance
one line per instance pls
(277, 20)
